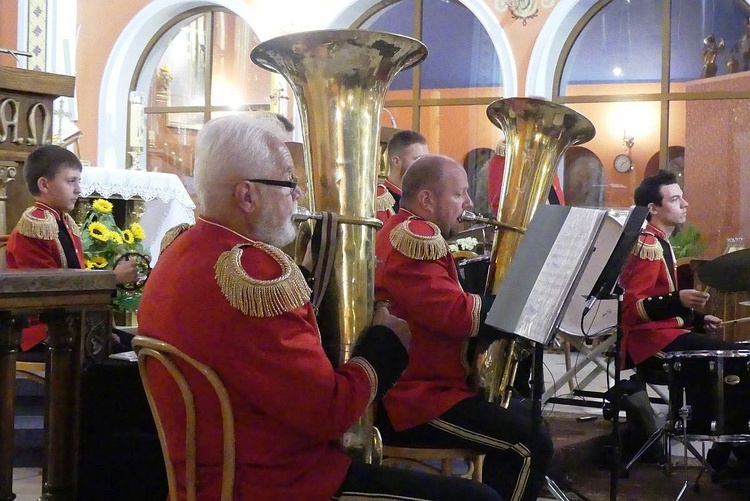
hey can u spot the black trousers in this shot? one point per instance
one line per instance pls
(364, 481)
(517, 453)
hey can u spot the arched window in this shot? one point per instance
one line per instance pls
(665, 78)
(198, 67)
(446, 97)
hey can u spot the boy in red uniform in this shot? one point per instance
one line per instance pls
(46, 236)
(432, 404)
(225, 294)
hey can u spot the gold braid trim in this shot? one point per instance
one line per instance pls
(43, 228)
(261, 298)
(384, 202)
(652, 252)
(171, 234)
(72, 225)
(422, 248)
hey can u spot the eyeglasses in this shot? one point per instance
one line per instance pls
(292, 184)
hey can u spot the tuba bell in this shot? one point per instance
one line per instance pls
(537, 133)
(339, 79)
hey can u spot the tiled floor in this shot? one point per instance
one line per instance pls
(27, 481)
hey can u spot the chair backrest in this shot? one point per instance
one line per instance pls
(153, 350)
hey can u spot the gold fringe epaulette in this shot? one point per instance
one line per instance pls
(43, 228)
(72, 225)
(261, 298)
(384, 202)
(171, 234)
(648, 247)
(420, 247)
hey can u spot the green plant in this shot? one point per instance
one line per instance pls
(104, 243)
(687, 242)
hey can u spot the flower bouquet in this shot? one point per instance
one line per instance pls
(105, 244)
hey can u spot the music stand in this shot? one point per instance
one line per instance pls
(607, 286)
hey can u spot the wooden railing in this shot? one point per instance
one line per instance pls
(75, 305)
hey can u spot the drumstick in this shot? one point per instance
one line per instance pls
(736, 321)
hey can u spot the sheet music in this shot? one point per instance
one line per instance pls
(544, 271)
(559, 272)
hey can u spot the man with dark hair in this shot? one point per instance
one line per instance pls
(46, 235)
(225, 294)
(432, 404)
(658, 317)
(403, 149)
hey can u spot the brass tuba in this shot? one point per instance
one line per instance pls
(339, 79)
(537, 133)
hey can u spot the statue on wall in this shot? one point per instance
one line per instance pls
(745, 45)
(732, 64)
(710, 49)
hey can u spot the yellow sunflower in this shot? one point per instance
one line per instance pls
(99, 231)
(89, 264)
(138, 231)
(103, 206)
(127, 237)
(98, 262)
(115, 237)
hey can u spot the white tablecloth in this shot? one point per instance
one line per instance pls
(167, 201)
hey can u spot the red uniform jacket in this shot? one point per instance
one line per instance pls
(441, 316)
(290, 405)
(652, 315)
(34, 243)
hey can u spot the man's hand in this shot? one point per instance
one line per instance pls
(691, 298)
(383, 317)
(126, 271)
(712, 324)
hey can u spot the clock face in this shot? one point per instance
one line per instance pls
(623, 163)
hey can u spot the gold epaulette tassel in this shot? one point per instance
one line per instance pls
(43, 228)
(384, 202)
(261, 298)
(420, 247)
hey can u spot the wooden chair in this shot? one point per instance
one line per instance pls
(419, 459)
(153, 350)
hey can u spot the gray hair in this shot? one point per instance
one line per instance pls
(231, 148)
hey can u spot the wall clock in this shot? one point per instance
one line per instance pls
(623, 163)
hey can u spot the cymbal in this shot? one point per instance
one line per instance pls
(727, 273)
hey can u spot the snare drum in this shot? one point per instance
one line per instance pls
(603, 315)
(716, 385)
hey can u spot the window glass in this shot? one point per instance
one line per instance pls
(621, 43)
(235, 79)
(179, 101)
(706, 36)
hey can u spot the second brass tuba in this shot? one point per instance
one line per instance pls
(537, 133)
(339, 79)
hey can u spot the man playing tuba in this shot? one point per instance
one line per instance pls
(225, 294)
(432, 404)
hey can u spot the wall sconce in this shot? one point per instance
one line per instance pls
(623, 162)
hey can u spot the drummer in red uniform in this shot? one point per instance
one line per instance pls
(432, 404)
(225, 294)
(403, 149)
(46, 235)
(658, 317)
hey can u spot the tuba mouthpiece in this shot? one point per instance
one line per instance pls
(303, 214)
(471, 217)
